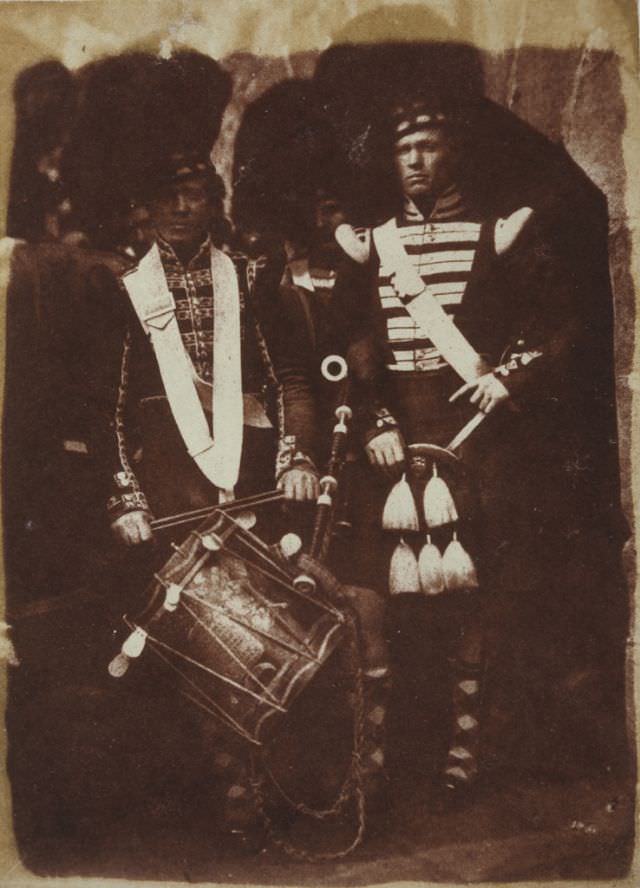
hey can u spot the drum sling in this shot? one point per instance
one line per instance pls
(215, 451)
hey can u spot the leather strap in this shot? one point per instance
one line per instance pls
(217, 455)
(424, 308)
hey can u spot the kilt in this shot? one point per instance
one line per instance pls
(420, 404)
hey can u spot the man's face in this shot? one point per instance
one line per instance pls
(329, 214)
(424, 162)
(138, 230)
(181, 212)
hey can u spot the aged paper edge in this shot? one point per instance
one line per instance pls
(304, 25)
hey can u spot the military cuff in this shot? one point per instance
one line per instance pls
(376, 422)
(289, 457)
(512, 374)
(132, 501)
(517, 361)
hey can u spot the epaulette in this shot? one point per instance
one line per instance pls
(356, 242)
(507, 230)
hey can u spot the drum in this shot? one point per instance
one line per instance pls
(236, 626)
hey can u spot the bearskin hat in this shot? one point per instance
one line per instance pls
(506, 161)
(285, 154)
(361, 86)
(44, 97)
(139, 115)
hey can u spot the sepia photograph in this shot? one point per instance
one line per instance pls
(319, 441)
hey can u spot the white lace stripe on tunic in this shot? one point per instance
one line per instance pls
(443, 254)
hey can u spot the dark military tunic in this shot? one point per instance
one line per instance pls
(135, 432)
(519, 311)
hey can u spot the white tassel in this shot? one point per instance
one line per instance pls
(400, 511)
(439, 507)
(430, 569)
(403, 570)
(459, 569)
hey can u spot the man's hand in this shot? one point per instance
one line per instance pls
(386, 450)
(132, 528)
(487, 392)
(299, 483)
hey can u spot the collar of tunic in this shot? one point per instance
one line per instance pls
(447, 207)
(170, 258)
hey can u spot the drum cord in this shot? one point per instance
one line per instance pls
(352, 787)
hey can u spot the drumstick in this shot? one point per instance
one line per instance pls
(258, 499)
(181, 517)
(248, 501)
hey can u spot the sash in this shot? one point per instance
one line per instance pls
(424, 308)
(253, 412)
(216, 452)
